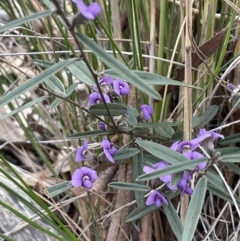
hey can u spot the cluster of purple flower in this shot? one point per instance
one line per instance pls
(85, 176)
(187, 148)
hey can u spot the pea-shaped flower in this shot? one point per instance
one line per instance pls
(84, 177)
(146, 112)
(95, 97)
(108, 150)
(156, 198)
(80, 156)
(89, 12)
(121, 87)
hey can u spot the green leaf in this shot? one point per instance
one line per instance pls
(230, 140)
(173, 219)
(171, 169)
(151, 78)
(227, 150)
(235, 168)
(55, 84)
(120, 68)
(177, 136)
(125, 153)
(30, 84)
(158, 124)
(58, 188)
(81, 72)
(167, 131)
(26, 19)
(234, 157)
(162, 152)
(129, 186)
(87, 134)
(194, 210)
(140, 212)
(68, 91)
(222, 194)
(196, 120)
(137, 163)
(114, 109)
(209, 114)
(42, 63)
(23, 107)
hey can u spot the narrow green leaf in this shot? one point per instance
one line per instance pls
(30, 84)
(68, 91)
(81, 72)
(140, 212)
(23, 107)
(171, 169)
(158, 124)
(26, 19)
(125, 153)
(167, 131)
(209, 114)
(227, 150)
(87, 134)
(42, 63)
(58, 188)
(173, 219)
(114, 109)
(222, 194)
(194, 209)
(235, 168)
(235, 157)
(151, 78)
(162, 152)
(137, 163)
(120, 68)
(55, 84)
(196, 120)
(129, 186)
(230, 140)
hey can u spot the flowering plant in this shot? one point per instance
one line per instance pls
(116, 122)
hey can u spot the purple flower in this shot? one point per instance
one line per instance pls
(158, 166)
(183, 184)
(81, 151)
(193, 155)
(146, 112)
(95, 97)
(185, 145)
(120, 87)
(84, 177)
(108, 151)
(157, 198)
(230, 86)
(102, 126)
(204, 134)
(106, 80)
(89, 12)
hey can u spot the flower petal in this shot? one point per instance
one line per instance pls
(151, 198)
(106, 144)
(147, 169)
(80, 152)
(108, 156)
(77, 178)
(95, 9)
(112, 151)
(87, 184)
